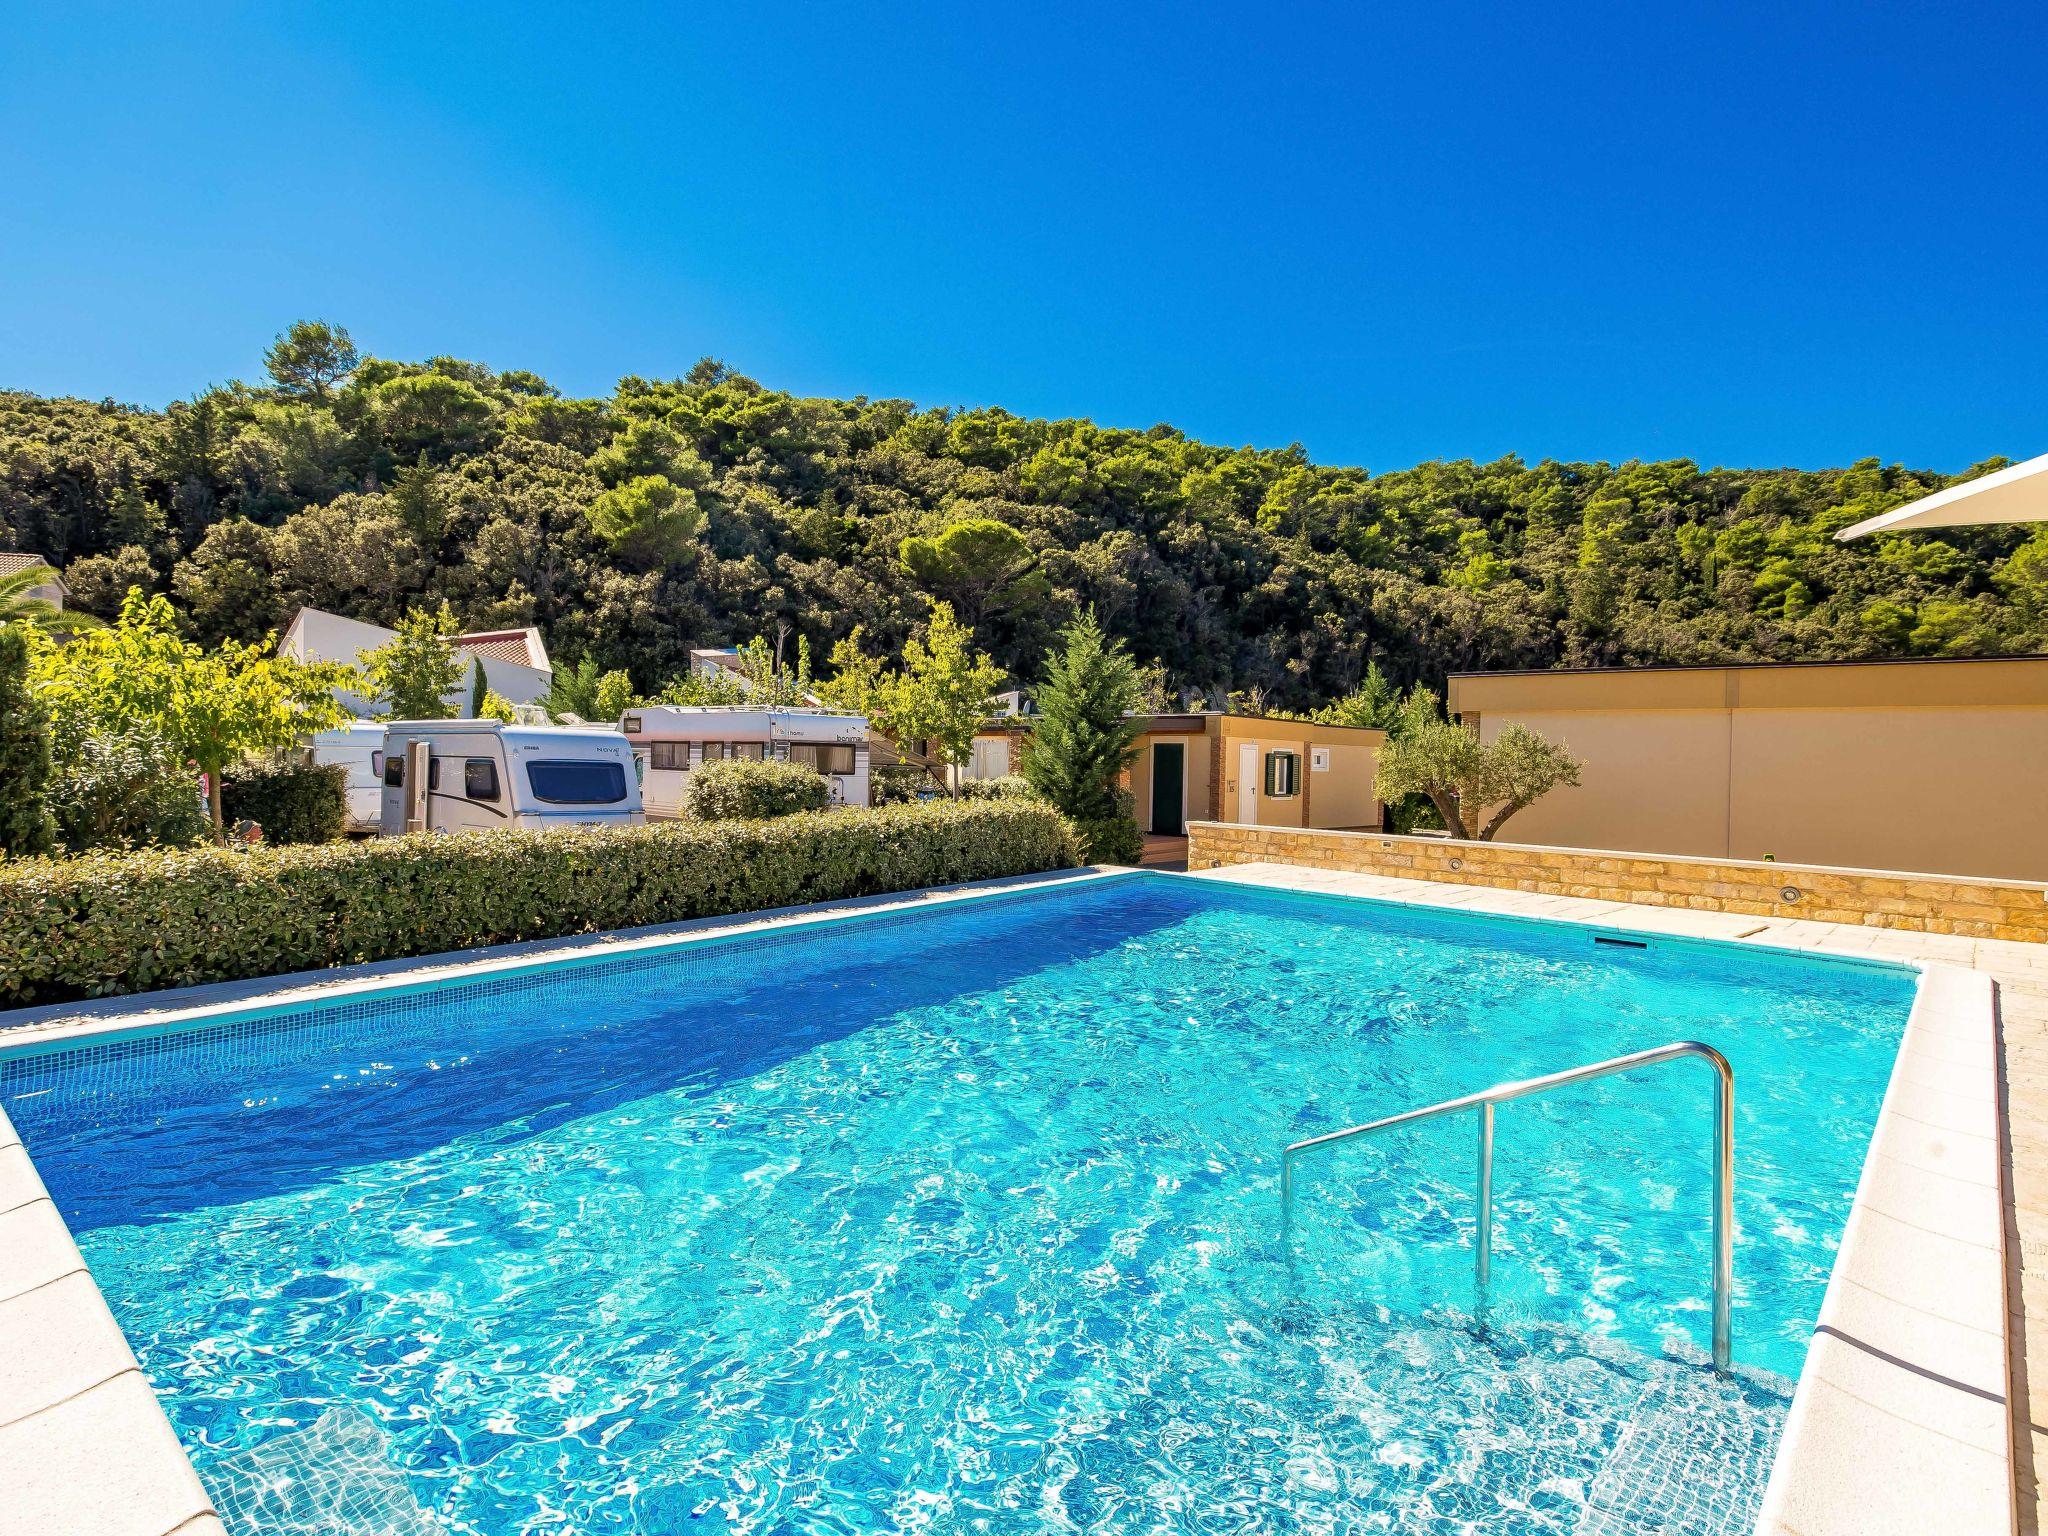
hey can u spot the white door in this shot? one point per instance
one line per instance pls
(1248, 783)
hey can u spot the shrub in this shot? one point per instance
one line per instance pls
(738, 790)
(302, 803)
(124, 789)
(900, 784)
(1011, 786)
(109, 923)
(1113, 839)
(25, 824)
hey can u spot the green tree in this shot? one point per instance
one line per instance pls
(1084, 737)
(99, 582)
(978, 565)
(417, 669)
(649, 519)
(588, 693)
(420, 500)
(25, 824)
(1476, 786)
(310, 358)
(934, 703)
(646, 448)
(753, 677)
(212, 707)
(1375, 704)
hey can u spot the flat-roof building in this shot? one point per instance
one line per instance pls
(1933, 765)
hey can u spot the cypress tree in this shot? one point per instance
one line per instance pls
(25, 824)
(1084, 737)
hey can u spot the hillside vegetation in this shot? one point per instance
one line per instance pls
(709, 509)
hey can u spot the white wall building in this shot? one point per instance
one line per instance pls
(515, 662)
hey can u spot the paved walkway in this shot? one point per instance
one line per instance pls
(1163, 852)
(2021, 972)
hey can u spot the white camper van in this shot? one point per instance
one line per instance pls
(467, 775)
(674, 741)
(357, 747)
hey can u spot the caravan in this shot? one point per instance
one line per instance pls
(474, 775)
(358, 749)
(672, 741)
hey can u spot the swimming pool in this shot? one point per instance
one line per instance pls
(968, 1220)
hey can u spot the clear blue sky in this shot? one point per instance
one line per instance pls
(1750, 234)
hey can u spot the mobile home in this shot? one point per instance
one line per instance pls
(358, 748)
(471, 775)
(673, 742)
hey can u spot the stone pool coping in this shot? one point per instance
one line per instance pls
(1898, 1423)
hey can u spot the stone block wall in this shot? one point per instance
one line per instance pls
(1972, 908)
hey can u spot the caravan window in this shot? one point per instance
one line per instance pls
(480, 778)
(668, 754)
(567, 781)
(394, 768)
(826, 759)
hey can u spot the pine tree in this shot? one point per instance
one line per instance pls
(25, 825)
(1084, 737)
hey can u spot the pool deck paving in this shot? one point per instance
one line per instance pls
(1936, 1320)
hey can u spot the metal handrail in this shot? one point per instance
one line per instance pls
(1484, 1102)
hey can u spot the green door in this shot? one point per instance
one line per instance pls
(1169, 771)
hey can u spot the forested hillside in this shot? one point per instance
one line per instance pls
(711, 508)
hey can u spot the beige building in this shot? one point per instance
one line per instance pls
(1237, 768)
(1932, 766)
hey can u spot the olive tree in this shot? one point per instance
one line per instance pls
(1476, 786)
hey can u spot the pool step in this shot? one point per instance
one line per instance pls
(1692, 1461)
(335, 1477)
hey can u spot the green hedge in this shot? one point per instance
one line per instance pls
(304, 803)
(738, 790)
(108, 923)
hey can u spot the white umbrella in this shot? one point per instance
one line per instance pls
(2015, 495)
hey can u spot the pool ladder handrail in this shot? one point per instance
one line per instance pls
(1485, 1101)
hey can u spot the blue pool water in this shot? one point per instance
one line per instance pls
(968, 1222)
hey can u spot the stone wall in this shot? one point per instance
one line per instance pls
(1982, 909)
